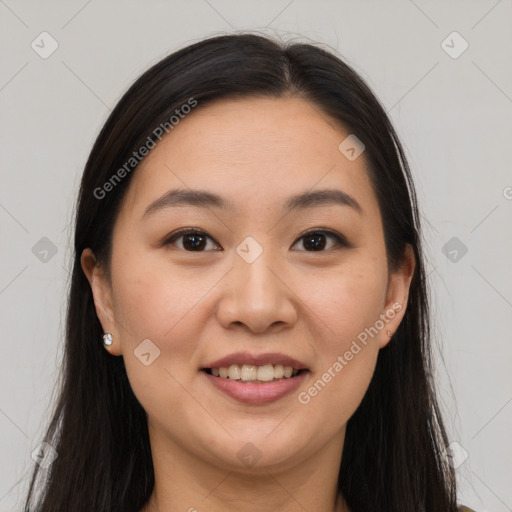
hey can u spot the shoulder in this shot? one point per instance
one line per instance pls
(462, 508)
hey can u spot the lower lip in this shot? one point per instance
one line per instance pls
(257, 393)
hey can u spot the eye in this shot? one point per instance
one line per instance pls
(194, 240)
(315, 240)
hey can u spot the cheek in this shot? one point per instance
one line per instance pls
(156, 301)
(347, 300)
(157, 316)
(152, 303)
(346, 307)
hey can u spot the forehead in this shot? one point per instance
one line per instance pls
(255, 152)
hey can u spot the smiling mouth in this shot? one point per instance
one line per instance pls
(248, 373)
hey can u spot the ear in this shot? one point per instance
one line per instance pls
(102, 293)
(397, 295)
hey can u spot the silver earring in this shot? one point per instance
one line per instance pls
(107, 339)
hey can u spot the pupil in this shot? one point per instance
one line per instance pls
(318, 242)
(198, 241)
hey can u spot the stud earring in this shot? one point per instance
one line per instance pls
(107, 339)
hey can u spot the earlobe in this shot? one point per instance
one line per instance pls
(100, 290)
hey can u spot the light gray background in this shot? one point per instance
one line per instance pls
(453, 115)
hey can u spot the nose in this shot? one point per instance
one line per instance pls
(257, 296)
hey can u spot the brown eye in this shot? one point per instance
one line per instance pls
(193, 240)
(315, 241)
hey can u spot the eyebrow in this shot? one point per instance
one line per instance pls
(205, 199)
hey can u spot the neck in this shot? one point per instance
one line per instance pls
(185, 482)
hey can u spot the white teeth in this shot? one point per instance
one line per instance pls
(250, 372)
(266, 373)
(278, 371)
(234, 371)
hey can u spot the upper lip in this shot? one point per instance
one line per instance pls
(257, 360)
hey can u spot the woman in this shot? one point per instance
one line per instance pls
(247, 247)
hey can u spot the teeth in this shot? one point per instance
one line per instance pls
(278, 371)
(250, 372)
(234, 372)
(266, 373)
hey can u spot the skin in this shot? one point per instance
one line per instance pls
(199, 306)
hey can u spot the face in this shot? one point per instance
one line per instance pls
(261, 276)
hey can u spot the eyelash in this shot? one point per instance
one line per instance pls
(340, 239)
